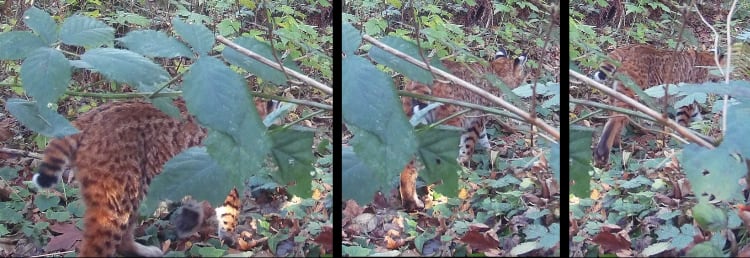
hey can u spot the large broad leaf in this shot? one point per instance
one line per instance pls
(153, 43)
(554, 160)
(41, 23)
(43, 121)
(293, 155)
(256, 67)
(46, 74)
(438, 149)
(83, 31)
(737, 129)
(358, 181)
(233, 156)
(126, 66)
(196, 35)
(401, 66)
(17, 44)
(384, 139)
(192, 172)
(220, 100)
(350, 39)
(707, 169)
(709, 217)
(580, 161)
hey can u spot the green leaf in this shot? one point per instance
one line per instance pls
(706, 169)
(656, 249)
(421, 239)
(710, 217)
(228, 26)
(126, 66)
(274, 241)
(227, 108)
(705, 249)
(580, 160)
(399, 65)
(524, 248)
(133, 18)
(503, 182)
(438, 149)
(231, 155)
(192, 172)
(384, 139)
(737, 131)
(45, 74)
(153, 43)
(636, 182)
(547, 238)
(210, 251)
(355, 251)
(256, 67)
(16, 45)
(353, 172)
(350, 39)
(9, 173)
(44, 202)
(554, 160)
(76, 208)
(294, 157)
(9, 215)
(58, 215)
(84, 31)
(3, 230)
(42, 24)
(43, 121)
(196, 35)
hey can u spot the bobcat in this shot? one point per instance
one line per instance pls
(648, 66)
(510, 71)
(121, 146)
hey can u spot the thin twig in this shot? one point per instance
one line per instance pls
(21, 153)
(729, 62)
(53, 254)
(133, 95)
(274, 65)
(725, 108)
(461, 103)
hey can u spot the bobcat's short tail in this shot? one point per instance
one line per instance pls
(227, 215)
(58, 153)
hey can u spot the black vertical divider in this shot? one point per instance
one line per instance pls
(564, 132)
(337, 121)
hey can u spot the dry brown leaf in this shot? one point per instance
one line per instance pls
(325, 238)
(610, 242)
(352, 210)
(480, 241)
(67, 240)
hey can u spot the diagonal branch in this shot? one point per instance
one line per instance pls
(494, 99)
(276, 66)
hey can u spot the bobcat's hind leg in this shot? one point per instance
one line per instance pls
(610, 135)
(129, 246)
(104, 228)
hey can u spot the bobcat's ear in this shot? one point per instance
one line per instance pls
(501, 53)
(520, 60)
